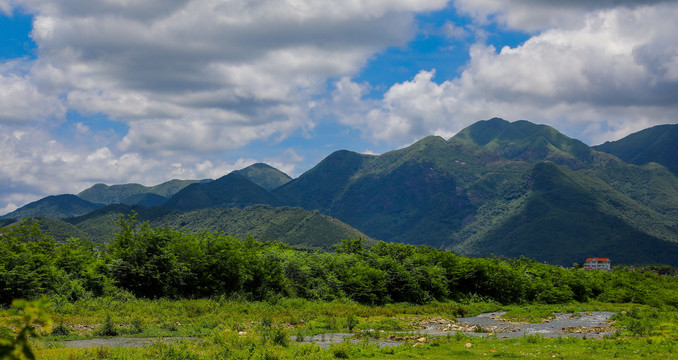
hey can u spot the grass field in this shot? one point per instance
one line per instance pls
(235, 329)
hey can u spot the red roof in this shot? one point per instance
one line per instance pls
(598, 259)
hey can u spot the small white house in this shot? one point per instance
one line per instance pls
(597, 264)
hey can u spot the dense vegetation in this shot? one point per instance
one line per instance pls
(164, 263)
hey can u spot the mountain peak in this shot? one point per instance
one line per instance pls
(525, 141)
(265, 176)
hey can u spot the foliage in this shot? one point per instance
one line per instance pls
(164, 263)
(31, 315)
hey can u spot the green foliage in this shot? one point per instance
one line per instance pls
(351, 322)
(107, 328)
(31, 315)
(163, 263)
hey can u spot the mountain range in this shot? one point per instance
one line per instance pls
(496, 188)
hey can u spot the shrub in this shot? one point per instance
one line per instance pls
(107, 328)
(351, 322)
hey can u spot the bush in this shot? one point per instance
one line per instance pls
(107, 328)
(351, 322)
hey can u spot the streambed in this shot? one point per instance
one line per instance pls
(590, 324)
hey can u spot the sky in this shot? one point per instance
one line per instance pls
(127, 91)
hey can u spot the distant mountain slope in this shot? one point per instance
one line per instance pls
(55, 206)
(232, 190)
(129, 193)
(59, 229)
(412, 195)
(500, 188)
(265, 176)
(320, 186)
(657, 144)
(294, 226)
(525, 141)
(100, 225)
(559, 216)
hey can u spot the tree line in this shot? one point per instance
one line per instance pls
(168, 263)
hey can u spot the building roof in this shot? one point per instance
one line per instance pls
(598, 259)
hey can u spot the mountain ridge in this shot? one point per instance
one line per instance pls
(495, 188)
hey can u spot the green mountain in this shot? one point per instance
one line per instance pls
(657, 144)
(232, 190)
(559, 216)
(134, 194)
(501, 188)
(265, 176)
(496, 188)
(55, 206)
(294, 226)
(525, 141)
(100, 225)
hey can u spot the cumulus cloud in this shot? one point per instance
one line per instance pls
(536, 15)
(611, 75)
(21, 99)
(37, 165)
(236, 70)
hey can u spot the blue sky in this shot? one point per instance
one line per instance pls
(119, 92)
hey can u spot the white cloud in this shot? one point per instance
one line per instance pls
(535, 15)
(234, 71)
(21, 100)
(612, 75)
(36, 166)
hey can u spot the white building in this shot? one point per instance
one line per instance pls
(597, 264)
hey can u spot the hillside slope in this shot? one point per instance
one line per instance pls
(657, 144)
(232, 190)
(55, 206)
(476, 193)
(265, 176)
(294, 226)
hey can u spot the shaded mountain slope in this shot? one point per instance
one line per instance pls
(294, 226)
(55, 206)
(558, 217)
(60, 230)
(320, 186)
(133, 194)
(657, 144)
(232, 190)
